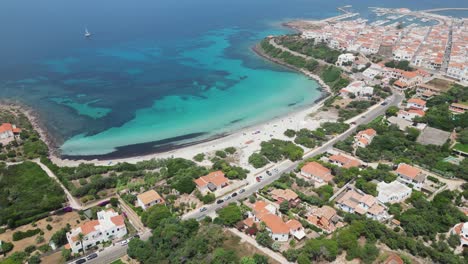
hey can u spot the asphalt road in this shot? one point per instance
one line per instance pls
(287, 166)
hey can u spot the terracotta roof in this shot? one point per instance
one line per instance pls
(419, 112)
(369, 132)
(118, 220)
(89, 227)
(462, 106)
(275, 223)
(400, 84)
(376, 209)
(215, 177)
(318, 170)
(408, 171)
(364, 141)
(249, 222)
(368, 200)
(410, 75)
(417, 101)
(287, 194)
(326, 212)
(293, 224)
(393, 259)
(149, 197)
(6, 127)
(345, 161)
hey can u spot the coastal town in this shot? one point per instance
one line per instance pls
(375, 172)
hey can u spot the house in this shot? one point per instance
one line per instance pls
(461, 229)
(147, 199)
(317, 172)
(8, 132)
(346, 59)
(410, 114)
(364, 137)
(108, 226)
(325, 218)
(267, 213)
(213, 181)
(394, 192)
(416, 103)
(357, 89)
(411, 176)
(296, 229)
(285, 195)
(425, 87)
(355, 201)
(458, 108)
(343, 161)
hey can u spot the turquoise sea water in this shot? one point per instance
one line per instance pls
(154, 73)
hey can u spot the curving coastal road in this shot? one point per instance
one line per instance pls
(288, 166)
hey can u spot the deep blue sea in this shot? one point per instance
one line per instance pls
(155, 72)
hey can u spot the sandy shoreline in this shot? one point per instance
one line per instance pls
(246, 140)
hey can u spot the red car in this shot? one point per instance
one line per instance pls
(258, 179)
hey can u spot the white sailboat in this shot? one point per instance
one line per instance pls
(87, 34)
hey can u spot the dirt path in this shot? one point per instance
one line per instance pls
(274, 255)
(71, 200)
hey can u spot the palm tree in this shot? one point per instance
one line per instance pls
(81, 237)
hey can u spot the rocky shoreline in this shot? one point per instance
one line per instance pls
(35, 120)
(326, 90)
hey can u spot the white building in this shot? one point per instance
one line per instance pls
(347, 59)
(148, 199)
(355, 201)
(357, 89)
(462, 230)
(411, 176)
(109, 225)
(393, 192)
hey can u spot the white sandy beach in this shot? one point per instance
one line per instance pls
(246, 141)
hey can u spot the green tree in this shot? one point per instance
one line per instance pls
(230, 214)
(263, 238)
(154, 215)
(223, 256)
(284, 207)
(392, 111)
(257, 160)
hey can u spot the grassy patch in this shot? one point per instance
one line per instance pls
(27, 194)
(461, 147)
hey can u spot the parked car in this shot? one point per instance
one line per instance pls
(353, 123)
(234, 194)
(136, 236)
(80, 261)
(227, 197)
(268, 173)
(203, 209)
(241, 190)
(124, 242)
(384, 103)
(220, 201)
(261, 177)
(92, 256)
(258, 179)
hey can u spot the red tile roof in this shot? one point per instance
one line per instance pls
(118, 220)
(89, 227)
(215, 177)
(318, 170)
(408, 171)
(417, 101)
